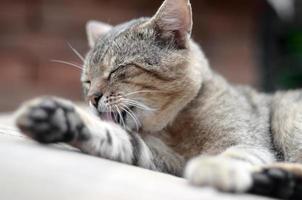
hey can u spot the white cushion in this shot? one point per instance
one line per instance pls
(30, 171)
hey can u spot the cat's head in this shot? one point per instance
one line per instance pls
(143, 72)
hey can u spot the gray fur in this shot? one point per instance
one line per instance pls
(191, 119)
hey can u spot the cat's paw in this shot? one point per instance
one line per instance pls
(278, 181)
(219, 172)
(49, 120)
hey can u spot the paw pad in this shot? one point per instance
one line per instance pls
(275, 182)
(49, 120)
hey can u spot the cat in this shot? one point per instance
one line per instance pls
(158, 105)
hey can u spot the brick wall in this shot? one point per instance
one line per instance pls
(35, 31)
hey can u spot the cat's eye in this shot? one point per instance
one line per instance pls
(114, 71)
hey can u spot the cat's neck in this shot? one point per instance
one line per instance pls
(209, 89)
(211, 85)
(194, 121)
(197, 72)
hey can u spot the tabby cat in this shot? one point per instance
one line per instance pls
(157, 104)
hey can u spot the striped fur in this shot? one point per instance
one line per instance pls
(51, 119)
(158, 105)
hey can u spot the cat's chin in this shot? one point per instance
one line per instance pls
(124, 118)
(107, 116)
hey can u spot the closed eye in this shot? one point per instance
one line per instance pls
(114, 71)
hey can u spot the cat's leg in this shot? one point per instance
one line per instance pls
(229, 171)
(286, 125)
(50, 120)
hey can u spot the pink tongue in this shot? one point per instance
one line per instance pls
(107, 116)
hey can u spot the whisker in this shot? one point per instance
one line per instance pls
(140, 91)
(109, 112)
(121, 116)
(128, 110)
(68, 63)
(76, 52)
(115, 117)
(138, 104)
(114, 114)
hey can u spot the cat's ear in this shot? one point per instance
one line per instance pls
(96, 29)
(174, 18)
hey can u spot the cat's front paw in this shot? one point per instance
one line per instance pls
(49, 120)
(219, 172)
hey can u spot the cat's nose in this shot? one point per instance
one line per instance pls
(95, 98)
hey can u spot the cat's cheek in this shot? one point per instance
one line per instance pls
(146, 118)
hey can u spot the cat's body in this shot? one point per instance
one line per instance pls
(223, 116)
(152, 79)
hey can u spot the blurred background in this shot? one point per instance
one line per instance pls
(255, 42)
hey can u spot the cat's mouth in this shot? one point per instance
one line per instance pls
(116, 117)
(119, 117)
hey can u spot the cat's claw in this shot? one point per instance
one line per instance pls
(50, 120)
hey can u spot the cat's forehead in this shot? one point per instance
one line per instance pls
(125, 42)
(114, 39)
